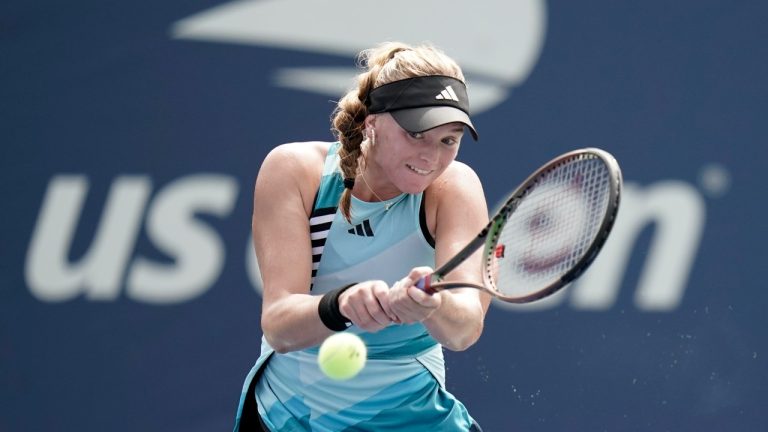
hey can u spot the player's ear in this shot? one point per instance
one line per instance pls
(370, 123)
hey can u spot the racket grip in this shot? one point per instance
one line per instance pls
(425, 284)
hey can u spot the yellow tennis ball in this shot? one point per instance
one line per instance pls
(342, 356)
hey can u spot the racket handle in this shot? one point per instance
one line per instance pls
(425, 284)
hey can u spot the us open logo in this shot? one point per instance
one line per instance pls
(496, 57)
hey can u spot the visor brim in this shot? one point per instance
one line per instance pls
(426, 118)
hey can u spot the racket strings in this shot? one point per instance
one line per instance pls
(556, 222)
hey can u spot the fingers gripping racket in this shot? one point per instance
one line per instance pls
(547, 233)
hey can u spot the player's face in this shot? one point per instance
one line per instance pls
(401, 161)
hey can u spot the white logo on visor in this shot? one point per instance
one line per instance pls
(448, 93)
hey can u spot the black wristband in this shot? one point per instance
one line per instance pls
(328, 309)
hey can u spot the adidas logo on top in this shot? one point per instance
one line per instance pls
(448, 93)
(364, 229)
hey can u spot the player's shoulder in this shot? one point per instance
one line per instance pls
(295, 163)
(458, 170)
(459, 182)
(302, 153)
(292, 169)
(458, 175)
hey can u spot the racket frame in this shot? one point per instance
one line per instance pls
(489, 236)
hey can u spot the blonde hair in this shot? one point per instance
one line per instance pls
(386, 63)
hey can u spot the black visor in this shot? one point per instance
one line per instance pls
(423, 103)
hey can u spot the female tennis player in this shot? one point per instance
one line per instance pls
(343, 229)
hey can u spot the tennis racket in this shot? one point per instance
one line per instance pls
(548, 231)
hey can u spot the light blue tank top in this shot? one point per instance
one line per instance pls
(402, 387)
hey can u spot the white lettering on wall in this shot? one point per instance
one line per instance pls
(197, 249)
(99, 273)
(672, 211)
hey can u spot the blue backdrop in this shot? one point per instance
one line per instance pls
(131, 133)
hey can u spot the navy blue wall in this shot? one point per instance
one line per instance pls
(130, 135)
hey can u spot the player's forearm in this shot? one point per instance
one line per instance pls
(292, 323)
(458, 323)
